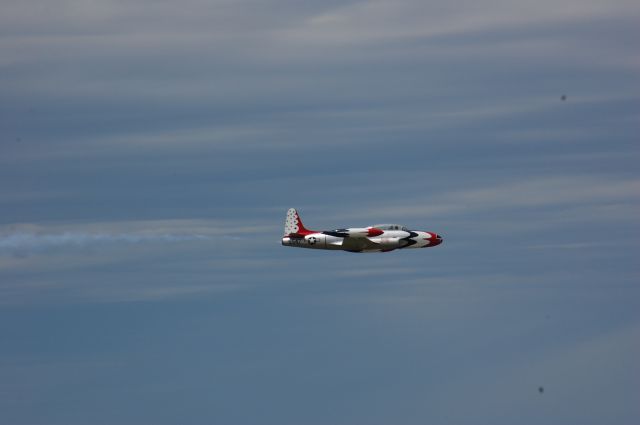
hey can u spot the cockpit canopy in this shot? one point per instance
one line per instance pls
(390, 227)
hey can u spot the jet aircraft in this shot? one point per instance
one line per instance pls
(378, 238)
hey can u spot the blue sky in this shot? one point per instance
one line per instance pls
(150, 150)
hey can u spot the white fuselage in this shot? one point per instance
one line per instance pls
(388, 241)
(377, 238)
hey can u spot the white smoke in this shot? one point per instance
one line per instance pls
(26, 241)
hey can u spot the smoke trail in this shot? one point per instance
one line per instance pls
(35, 241)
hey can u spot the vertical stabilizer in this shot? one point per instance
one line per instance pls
(293, 224)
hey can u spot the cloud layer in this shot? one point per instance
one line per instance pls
(150, 149)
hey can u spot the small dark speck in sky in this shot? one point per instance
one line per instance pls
(563, 97)
(540, 390)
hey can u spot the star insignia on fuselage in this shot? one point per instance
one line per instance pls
(312, 240)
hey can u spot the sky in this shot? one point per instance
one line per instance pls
(149, 151)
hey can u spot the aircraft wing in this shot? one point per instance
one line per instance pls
(359, 244)
(355, 232)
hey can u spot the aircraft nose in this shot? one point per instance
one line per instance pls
(438, 239)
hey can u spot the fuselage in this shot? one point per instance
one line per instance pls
(377, 238)
(388, 241)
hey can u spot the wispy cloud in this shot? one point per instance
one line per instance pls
(548, 191)
(382, 20)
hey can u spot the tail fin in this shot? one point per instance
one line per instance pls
(293, 225)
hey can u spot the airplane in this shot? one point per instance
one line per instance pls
(378, 238)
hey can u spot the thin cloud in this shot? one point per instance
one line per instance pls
(373, 21)
(548, 191)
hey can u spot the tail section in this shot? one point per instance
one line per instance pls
(293, 225)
